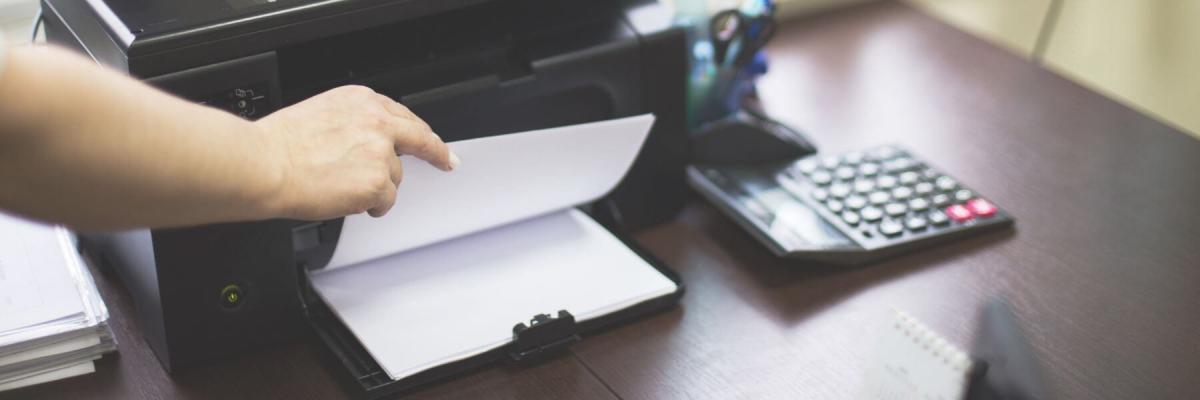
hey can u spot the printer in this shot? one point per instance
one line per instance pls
(470, 68)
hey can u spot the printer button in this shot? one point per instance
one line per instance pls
(232, 297)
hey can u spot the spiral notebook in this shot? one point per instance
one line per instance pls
(913, 362)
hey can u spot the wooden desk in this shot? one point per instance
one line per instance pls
(1102, 268)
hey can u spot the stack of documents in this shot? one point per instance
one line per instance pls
(53, 324)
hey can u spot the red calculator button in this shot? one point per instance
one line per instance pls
(981, 207)
(959, 213)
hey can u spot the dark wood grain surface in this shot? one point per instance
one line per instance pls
(1102, 270)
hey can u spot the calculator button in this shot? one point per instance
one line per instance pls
(821, 177)
(937, 218)
(895, 209)
(909, 177)
(851, 218)
(915, 223)
(929, 173)
(924, 188)
(806, 166)
(945, 183)
(868, 169)
(886, 182)
(884, 153)
(835, 206)
(963, 195)
(899, 165)
(845, 173)
(871, 213)
(918, 204)
(981, 207)
(839, 190)
(855, 202)
(890, 228)
(878, 198)
(941, 199)
(830, 162)
(864, 186)
(853, 157)
(901, 193)
(959, 213)
(819, 194)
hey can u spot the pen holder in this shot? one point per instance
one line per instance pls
(715, 93)
(720, 76)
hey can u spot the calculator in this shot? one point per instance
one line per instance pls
(849, 208)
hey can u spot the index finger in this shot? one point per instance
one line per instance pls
(424, 144)
(397, 109)
(416, 139)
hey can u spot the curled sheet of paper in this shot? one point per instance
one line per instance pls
(503, 179)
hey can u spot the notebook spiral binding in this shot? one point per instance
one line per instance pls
(932, 342)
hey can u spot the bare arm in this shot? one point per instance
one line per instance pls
(93, 149)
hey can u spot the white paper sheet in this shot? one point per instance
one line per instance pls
(502, 179)
(55, 374)
(51, 349)
(461, 297)
(36, 285)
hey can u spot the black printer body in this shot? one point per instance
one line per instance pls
(470, 68)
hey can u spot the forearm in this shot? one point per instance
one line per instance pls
(93, 149)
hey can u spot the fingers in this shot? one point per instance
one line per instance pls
(396, 170)
(386, 203)
(397, 109)
(387, 199)
(414, 137)
(387, 195)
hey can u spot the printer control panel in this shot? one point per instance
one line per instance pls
(246, 101)
(247, 87)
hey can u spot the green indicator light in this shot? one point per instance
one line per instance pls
(231, 296)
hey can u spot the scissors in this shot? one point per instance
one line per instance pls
(749, 34)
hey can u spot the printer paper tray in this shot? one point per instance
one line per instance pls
(365, 376)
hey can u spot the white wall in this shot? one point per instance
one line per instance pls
(1141, 53)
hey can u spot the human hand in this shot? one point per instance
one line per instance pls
(338, 153)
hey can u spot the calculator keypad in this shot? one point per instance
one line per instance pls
(885, 194)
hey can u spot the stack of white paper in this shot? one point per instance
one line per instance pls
(53, 323)
(466, 255)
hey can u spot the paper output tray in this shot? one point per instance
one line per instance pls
(367, 378)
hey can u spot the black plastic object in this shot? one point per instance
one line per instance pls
(748, 137)
(849, 208)
(1013, 372)
(545, 336)
(471, 68)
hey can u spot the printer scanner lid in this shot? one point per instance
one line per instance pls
(163, 17)
(141, 27)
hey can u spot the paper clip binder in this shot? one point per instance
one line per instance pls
(543, 337)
